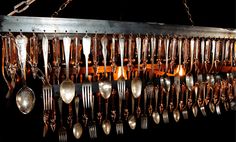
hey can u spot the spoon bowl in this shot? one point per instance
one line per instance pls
(106, 126)
(25, 99)
(105, 89)
(67, 90)
(132, 122)
(176, 115)
(136, 87)
(156, 117)
(77, 130)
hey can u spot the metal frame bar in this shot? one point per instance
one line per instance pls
(68, 25)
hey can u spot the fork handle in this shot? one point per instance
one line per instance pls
(45, 55)
(86, 63)
(60, 110)
(67, 42)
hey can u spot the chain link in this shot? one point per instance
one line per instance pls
(62, 7)
(20, 7)
(188, 12)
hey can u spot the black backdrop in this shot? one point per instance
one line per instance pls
(14, 125)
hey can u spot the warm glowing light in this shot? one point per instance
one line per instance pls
(182, 71)
(117, 74)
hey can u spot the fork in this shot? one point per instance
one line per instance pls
(119, 124)
(47, 87)
(144, 119)
(92, 127)
(62, 133)
(121, 80)
(86, 87)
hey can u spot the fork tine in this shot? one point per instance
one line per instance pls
(51, 98)
(87, 92)
(90, 94)
(83, 93)
(124, 90)
(43, 100)
(46, 90)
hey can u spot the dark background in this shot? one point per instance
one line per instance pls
(14, 125)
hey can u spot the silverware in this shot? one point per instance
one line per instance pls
(86, 86)
(47, 87)
(92, 126)
(67, 87)
(62, 132)
(25, 97)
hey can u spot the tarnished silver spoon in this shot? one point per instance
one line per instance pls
(155, 114)
(25, 97)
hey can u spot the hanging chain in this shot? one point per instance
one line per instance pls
(20, 7)
(188, 12)
(62, 7)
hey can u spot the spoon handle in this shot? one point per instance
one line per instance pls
(77, 108)
(132, 104)
(144, 52)
(138, 46)
(166, 44)
(202, 51)
(145, 99)
(227, 44)
(66, 43)
(153, 47)
(156, 97)
(121, 46)
(130, 52)
(213, 54)
(231, 54)
(159, 52)
(191, 53)
(106, 103)
(21, 43)
(104, 42)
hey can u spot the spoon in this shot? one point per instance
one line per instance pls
(194, 107)
(105, 88)
(106, 125)
(77, 128)
(131, 118)
(165, 112)
(155, 114)
(185, 110)
(67, 87)
(189, 83)
(176, 112)
(25, 97)
(136, 83)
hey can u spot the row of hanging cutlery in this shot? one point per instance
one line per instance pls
(175, 74)
(162, 54)
(168, 101)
